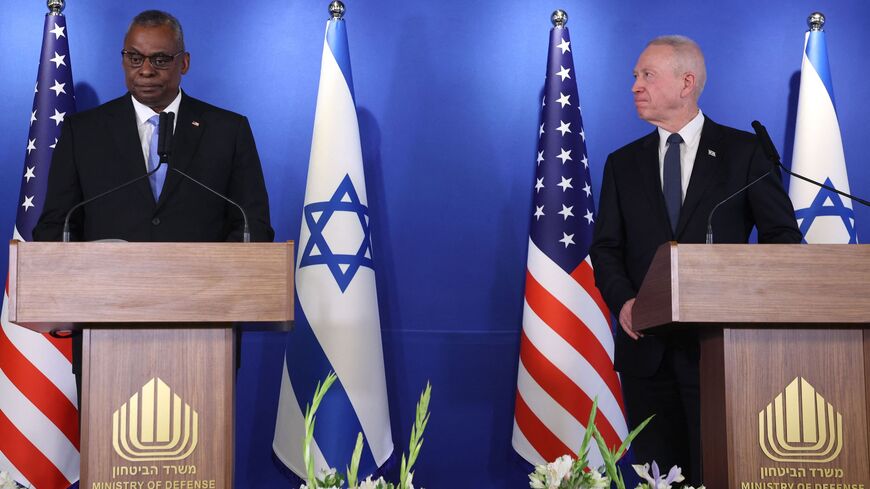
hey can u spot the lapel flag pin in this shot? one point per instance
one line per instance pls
(195, 123)
(711, 153)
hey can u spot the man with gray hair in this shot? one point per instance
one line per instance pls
(661, 188)
(99, 149)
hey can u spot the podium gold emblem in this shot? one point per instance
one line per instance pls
(154, 424)
(800, 426)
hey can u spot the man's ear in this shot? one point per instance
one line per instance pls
(689, 82)
(185, 63)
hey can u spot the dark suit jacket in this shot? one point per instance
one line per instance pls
(633, 220)
(100, 148)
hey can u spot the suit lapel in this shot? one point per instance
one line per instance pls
(189, 127)
(703, 172)
(648, 162)
(125, 134)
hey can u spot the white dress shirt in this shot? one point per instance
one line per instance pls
(146, 130)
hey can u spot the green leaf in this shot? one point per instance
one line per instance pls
(310, 410)
(631, 436)
(354, 462)
(583, 453)
(421, 419)
(609, 461)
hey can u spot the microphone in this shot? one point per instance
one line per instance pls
(246, 232)
(743, 189)
(773, 155)
(164, 145)
(99, 196)
(164, 149)
(766, 143)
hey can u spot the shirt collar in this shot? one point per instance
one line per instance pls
(691, 132)
(143, 112)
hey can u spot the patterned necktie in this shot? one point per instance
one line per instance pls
(672, 186)
(158, 177)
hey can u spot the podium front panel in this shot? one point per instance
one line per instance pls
(157, 407)
(794, 405)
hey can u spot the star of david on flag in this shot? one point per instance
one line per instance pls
(337, 319)
(823, 216)
(566, 346)
(318, 250)
(39, 426)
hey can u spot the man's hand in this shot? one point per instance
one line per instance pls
(625, 319)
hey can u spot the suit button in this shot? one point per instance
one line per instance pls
(155, 221)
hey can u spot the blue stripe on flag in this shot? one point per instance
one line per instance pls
(336, 36)
(337, 423)
(817, 53)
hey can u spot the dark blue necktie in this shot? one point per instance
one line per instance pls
(671, 185)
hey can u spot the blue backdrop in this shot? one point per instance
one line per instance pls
(448, 95)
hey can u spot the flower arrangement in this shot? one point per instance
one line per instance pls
(569, 473)
(332, 479)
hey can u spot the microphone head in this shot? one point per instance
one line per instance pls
(766, 143)
(164, 143)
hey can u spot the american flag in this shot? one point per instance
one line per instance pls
(39, 429)
(566, 347)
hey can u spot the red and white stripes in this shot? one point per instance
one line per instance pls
(39, 427)
(566, 360)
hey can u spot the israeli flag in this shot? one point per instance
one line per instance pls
(337, 322)
(823, 216)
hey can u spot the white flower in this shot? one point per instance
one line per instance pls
(598, 480)
(558, 470)
(6, 481)
(550, 476)
(370, 484)
(536, 480)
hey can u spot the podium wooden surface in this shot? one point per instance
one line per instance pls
(158, 367)
(785, 357)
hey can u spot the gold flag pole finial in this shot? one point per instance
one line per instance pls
(816, 21)
(55, 7)
(559, 18)
(336, 9)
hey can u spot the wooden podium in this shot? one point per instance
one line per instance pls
(159, 347)
(785, 358)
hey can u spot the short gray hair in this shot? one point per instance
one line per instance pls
(156, 18)
(689, 58)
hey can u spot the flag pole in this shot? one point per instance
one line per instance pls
(816, 21)
(55, 7)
